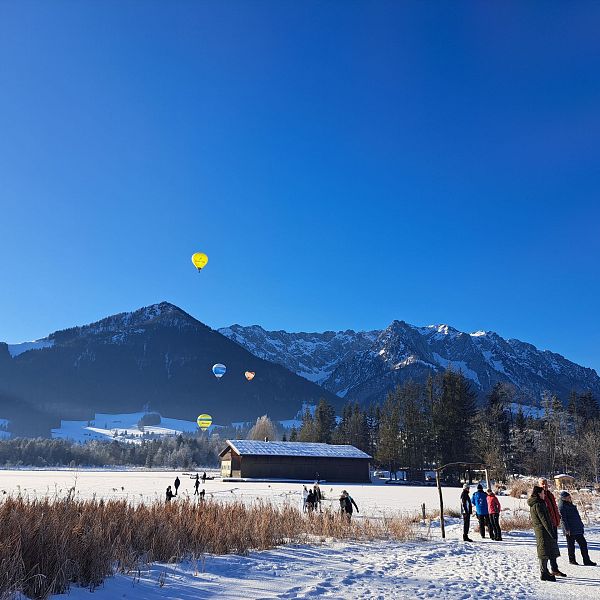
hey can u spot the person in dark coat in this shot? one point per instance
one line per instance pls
(346, 503)
(196, 484)
(311, 500)
(318, 496)
(203, 477)
(572, 526)
(479, 501)
(170, 494)
(547, 546)
(466, 510)
(177, 484)
(494, 516)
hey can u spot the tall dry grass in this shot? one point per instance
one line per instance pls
(47, 545)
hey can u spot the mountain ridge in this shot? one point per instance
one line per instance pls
(374, 362)
(158, 355)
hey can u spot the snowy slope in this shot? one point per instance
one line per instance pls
(20, 348)
(364, 366)
(313, 356)
(122, 428)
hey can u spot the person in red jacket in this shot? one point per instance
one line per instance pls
(494, 512)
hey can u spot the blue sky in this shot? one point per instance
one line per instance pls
(343, 164)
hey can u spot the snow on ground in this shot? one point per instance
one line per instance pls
(431, 568)
(123, 428)
(379, 570)
(374, 500)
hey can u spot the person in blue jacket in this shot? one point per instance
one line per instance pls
(480, 503)
(573, 529)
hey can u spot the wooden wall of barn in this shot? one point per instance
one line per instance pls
(301, 467)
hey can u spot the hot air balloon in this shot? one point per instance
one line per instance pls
(200, 260)
(219, 370)
(249, 375)
(204, 422)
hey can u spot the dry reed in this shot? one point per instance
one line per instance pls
(47, 545)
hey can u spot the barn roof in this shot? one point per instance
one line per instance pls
(307, 449)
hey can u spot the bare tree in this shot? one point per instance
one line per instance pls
(263, 429)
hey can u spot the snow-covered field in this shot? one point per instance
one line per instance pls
(432, 568)
(121, 427)
(373, 500)
(382, 570)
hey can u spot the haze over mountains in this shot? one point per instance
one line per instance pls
(161, 356)
(363, 366)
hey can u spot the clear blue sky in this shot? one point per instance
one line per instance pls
(343, 164)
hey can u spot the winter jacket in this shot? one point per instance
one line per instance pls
(493, 505)
(547, 546)
(552, 508)
(571, 521)
(346, 503)
(466, 507)
(479, 500)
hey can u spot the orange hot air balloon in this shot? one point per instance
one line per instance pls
(249, 375)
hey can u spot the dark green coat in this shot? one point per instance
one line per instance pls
(547, 546)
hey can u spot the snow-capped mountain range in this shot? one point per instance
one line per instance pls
(363, 366)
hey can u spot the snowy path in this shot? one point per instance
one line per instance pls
(381, 570)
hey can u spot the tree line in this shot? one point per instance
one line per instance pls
(180, 452)
(425, 425)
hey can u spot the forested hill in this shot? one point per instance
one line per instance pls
(158, 356)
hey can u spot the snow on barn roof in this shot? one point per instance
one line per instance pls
(256, 448)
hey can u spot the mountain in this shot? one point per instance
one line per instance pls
(364, 366)
(158, 355)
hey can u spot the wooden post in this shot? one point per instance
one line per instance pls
(487, 479)
(423, 510)
(439, 487)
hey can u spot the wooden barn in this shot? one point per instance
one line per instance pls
(294, 461)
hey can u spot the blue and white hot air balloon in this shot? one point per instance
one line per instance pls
(219, 370)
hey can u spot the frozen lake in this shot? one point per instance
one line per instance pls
(373, 500)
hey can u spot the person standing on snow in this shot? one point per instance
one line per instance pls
(479, 501)
(494, 516)
(551, 505)
(573, 529)
(196, 484)
(547, 546)
(177, 484)
(346, 502)
(304, 498)
(466, 509)
(169, 495)
(318, 496)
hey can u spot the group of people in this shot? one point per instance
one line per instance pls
(311, 498)
(170, 494)
(487, 510)
(546, 516)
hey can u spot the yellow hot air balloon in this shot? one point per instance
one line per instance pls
(200, 260)
(249, 375)
(204, 422)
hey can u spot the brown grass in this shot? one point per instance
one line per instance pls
(520, 487)
(518, 520)
(46, 545)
